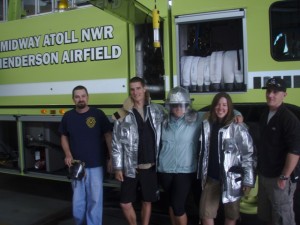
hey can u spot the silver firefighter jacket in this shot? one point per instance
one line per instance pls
(126, 138)
(236, 159)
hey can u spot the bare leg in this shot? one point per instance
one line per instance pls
(208, 221)
(181, 220)
(230, 222)
(172, 216)
(129, 213)
(146, 212)
(177, 220)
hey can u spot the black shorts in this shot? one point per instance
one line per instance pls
(177, 187)
(144, 183)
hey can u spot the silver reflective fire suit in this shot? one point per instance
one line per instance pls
(126, 138)
(236, 159)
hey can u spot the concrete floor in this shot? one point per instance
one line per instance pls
(33, 201)
(25, 209)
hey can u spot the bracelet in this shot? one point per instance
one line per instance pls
(283, 177)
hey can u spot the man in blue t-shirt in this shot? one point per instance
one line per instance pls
(82, 130)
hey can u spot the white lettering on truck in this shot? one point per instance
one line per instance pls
(97, 33)
(29, 60)
(20, 43)
(94, 54)
(60, 38)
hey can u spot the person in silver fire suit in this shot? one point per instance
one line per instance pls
(177, 162)
(226, 162)
(136, 138)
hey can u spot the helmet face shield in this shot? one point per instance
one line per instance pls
(178, 101)
(77, 170)
(179, 105)
(178, 110)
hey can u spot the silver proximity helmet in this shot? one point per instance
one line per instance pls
(178, 95)
(177, 100)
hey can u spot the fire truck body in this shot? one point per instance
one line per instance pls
(205, 46)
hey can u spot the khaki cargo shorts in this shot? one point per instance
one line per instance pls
(210, 199)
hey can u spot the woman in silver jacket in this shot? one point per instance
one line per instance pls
(226, 162)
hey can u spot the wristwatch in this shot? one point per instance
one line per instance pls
(283, 177)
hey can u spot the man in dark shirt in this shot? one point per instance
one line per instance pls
(278, 155)
(82, 130)
(136, 138)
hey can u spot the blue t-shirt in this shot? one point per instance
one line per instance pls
(85, 133)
